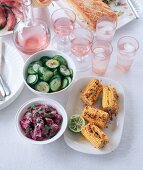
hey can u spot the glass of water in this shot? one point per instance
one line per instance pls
(127, 47)
(105, 28)
(102, 51)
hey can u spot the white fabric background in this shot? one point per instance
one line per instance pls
(17, 155)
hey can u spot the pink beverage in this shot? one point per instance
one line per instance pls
(80, 47)
(63, 26)
(126, 53)
(32, 39)
(100, 60)
(105, 31)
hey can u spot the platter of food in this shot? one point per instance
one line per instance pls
(88, 12)
(96, 114)
(10, 14)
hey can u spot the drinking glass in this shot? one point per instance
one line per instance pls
(81, 41)
(30, 35)
(63, 23)
(105, 28)
(102, 51)
(127, 47)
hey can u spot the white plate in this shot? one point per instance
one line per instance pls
(124, 19)
(4, 32)
(12, 74)
(114, 131)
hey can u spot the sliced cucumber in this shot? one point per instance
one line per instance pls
(32, 79)
(55, 84)
(38, 62)
(36, 67)
(42, 70)
(42, 87)
(47, 75)
(69, 79)
(44, 59)
(61, 59)
(30, 70)
(65, 83)
(55, 71)
(64, 70)
(52, 63)
(71, 71)
(56, 76)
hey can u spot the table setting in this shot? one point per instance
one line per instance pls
(71, 84)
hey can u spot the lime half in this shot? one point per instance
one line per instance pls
(76, 122)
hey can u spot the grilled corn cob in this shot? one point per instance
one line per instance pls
(110, 100)
(94, 135)
(92, 114)
(91, 92)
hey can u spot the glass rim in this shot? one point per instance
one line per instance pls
(109, 44)
(30, 3)
(19, 46)
(115, 21)
(85, 29)
(129, 37)
(64, 9)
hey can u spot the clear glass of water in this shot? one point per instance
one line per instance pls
(105, 28)
(126, 50)
(102, 51)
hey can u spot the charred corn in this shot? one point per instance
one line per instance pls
(94, 135)
(110, 99)
(96, 116)
(91, 92)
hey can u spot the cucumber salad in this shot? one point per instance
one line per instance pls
(49, 74)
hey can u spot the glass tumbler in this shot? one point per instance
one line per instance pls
(105, 28)
(126, 51)
(102, 51)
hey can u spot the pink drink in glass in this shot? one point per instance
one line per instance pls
(81, 41)
(32, 39)
(80, 47)
(101, 55)
(63, 26)
(105, 29)
(127, 47)
(63, 21)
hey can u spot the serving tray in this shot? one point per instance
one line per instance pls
(129, 11)
(75, 106)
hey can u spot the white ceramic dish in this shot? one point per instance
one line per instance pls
(49, 102)
(114, 131)
(12, 74)
(4, 32)
(49, 53)
(124, 19)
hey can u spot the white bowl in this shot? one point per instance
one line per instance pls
(49, 53)
(49, 102)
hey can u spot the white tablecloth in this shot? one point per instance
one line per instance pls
(17, 155)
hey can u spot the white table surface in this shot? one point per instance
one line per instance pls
(17, 155)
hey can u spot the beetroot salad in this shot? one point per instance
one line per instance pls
(41, 122)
